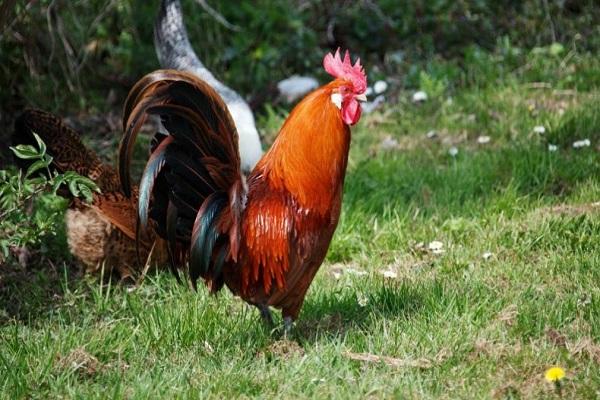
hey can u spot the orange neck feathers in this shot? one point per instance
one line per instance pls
(309, 157)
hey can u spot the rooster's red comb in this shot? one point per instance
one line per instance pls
(334, 65)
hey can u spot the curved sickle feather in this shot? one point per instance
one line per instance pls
(191, 174)
(205, 234)
(153, 168)
(158, 88)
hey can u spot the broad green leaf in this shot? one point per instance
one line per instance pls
(41, 144)
(26, 151)
(57, 181)
(86, 193)
(38, 180)
(85, 181)
(74, 188)
(36, 166)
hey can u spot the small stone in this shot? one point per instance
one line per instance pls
(436, 247)
(295, 87)
(380, 87)
(370, 106)
(487, 255)
(581, 143)
(389, 274)
(419, 97)
(431, 134)
(389, 143)
(483, 139)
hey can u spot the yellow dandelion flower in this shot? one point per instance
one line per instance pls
(554, 374)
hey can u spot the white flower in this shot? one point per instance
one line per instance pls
(419, 96)
(389, 274)
(453, 151)
(208, 347)
(487, 255)
(539, 129)
(436, 247)
(552, 147)
(483, 139)
(431, 134)
(380, 87)
(369, 91)
(581, 143)
(362, 299)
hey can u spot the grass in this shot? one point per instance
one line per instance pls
(514, 291)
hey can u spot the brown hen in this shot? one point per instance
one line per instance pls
(103, 233)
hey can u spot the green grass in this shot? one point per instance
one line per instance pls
(458, 324)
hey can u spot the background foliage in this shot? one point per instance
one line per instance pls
(69, 56)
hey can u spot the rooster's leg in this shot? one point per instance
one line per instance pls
(265, 314)
(288, 324)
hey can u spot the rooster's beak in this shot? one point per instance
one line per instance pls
(361, 97)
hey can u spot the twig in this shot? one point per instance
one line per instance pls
(83, 59)
(216, 15)
(547, 10)
(15, 19)
(380, 14)
(538, 85)
(422, 363)
(147, 265)
(50, 31)
(6, 9)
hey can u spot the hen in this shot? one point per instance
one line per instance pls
(174, 51)
(265, 237)
(103, 232)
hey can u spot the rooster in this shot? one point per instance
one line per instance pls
(174, 51)
(103, 232)
(265, 237)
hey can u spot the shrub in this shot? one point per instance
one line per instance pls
(30, 208)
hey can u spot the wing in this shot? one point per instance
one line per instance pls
(117, 209)
(267, 231)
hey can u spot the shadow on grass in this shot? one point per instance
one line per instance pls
(333, 313)
(29, 294)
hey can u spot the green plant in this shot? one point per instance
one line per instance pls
(433, 86)
(29, 204)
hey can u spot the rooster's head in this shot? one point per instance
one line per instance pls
(352, 85)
